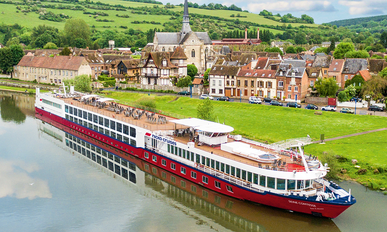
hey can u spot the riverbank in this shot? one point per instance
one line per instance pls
(272, 124)
(20, 90)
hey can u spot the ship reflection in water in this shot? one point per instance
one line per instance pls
(186, 196)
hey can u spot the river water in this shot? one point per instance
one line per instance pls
(47, 186)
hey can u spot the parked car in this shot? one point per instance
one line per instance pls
(311, 107)
(276, 103)
(185, 92)
(328, 108)
(346, 111)
(293, 104)
(204, 96)
(267, 99)
(255, 100)
(375, 108)
(358, 99)
(224, 98)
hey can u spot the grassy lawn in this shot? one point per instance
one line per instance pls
(266, 123)
(20, 89)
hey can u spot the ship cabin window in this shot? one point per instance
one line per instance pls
(184, 154)
(183, 170)
(208, 162)
(100, 120)
(66, 109)
(180, 152)
(85, 115)
(307, 183)
(71, 118)
(113, 134)
(107, 132)
(124, 163)
(117, 159)
(217, 184)
(132, 166)
(154, 158)
(173, 179)
(89, 117)
(107, 123)
(243, 174)
(217, 165)
(193, 188)
(67, 117)
(126, 140)
(197, 158)
(262, 181)
(229, 188)
(104, 153)
(169, 148)
(291, 184)
(227, 169)
(238, 173)
(89, 125)
(270, 182)
(71, 110)
(222, 167)
(205, 179)
(76, 120)
(119, 127)
(119, 137)
(146, 155)
(164, 162)
(75, 112)
(300, 184)
(126, 130)
(173, 166)
(110, 156)
(281, 184)
(233, 171)
(80, 113)
(193, 175)
(112, 125)
(203, 160)
(255, 179)
(132, 177)
(95, 118)
(133, 132)
(249, 176)
(192, 156)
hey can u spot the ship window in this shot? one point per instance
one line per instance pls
(208, 162)
(169, 148)
(89, 125)
(133, 132)
(124, 163)
(164, 162)
(133, 142)
(244, 174)
(192, 156)
(203, 160)
(124, 173)
(100, 120)
(154, 158)
(119, 137)
(217, 165)
(126, 140)
(229, 188)
(173, 179)
(300, 184)
(307, 183)
(100, 129)
(146, 155)
(132, 166)
(281, 184)
(104, 162)
(95, 128)
(173, 166)
(126, 130)
(132, 177)
(106, 122)
(249, 176)
(95, 118)
(262, 181)
(118, 160)
(112, 125)
(205, 193)
(232, 170)
(89, 117)
(66, 109)
(217, 184)
(71, 110)
(67, 117)
(187, 155)
(255, 178)
(227, 169)
(76, 120)
(104, 153)
(212, 163)
(75, 112)
(270, 182)
(222, 167)
(197, 158)
(183, 153)
(238, 173)
(183, 170)
(182, 183)
(193, 175)
(107, 132)
(111, 167)
(98, 159)
(110, 156)
(85, 115)
(164, 175)
(72, 118)
(119, 127)
(180, 152)
(205, 179)
(80, 113)
(291, 184)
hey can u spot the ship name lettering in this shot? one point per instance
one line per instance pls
(302, 203)
(164, 139)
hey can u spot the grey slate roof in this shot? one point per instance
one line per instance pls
(296, 63)
(308, 57)
(287, 69)
(168, 38)
(352, 66)
(203, 36)
(321, 61)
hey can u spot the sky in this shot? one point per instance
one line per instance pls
(323, 11)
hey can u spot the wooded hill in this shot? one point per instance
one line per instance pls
(356, 21)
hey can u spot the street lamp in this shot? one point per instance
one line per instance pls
(355, 105)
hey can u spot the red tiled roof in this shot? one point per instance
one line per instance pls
(262, 61)
(338, 64)
(56, 62)
(197, 81)
(365, 74)
(257, 73)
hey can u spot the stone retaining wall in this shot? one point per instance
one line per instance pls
(195, 90)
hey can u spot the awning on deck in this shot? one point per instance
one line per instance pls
(203, 125)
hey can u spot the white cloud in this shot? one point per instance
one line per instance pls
(291, 6)
(364, 6)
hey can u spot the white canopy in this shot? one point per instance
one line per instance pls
(89, 96)
(105, 99)
(203, 125)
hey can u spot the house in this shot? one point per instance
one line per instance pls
(314, 73)
(223, 80)
(96, 63)
(292, 80)
(237, 41)
(351, 67)
(129, 70)
(322, 61)
(52, 70)
(196, 45)
(158, 67)
(256, 82)
(112, 60)
(335, 69)
(198, 82)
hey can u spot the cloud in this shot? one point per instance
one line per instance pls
(15, 182)
(364, 6)
(291, 6)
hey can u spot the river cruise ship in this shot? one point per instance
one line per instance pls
(202, 152)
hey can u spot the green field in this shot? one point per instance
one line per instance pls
(10, 88)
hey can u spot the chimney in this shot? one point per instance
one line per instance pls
(258, 34)
(246, 33)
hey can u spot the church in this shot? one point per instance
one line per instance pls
(197, 46)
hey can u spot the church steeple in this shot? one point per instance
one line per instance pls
(186, 27)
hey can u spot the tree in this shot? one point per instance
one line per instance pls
(326, 87)
(76, 29)
(80, 43)
(274, 49)
(357, 54)
(81, 83)
(342, 49)
(300, 38)
(291, 49)
(50, 45)
(65, 52)
(205, 76)
(383, 39)
(332, 46)
(9, 57)
(192, 71)
(383, 73)
(374, 88)
(184, 82)
(205, 110)
(321, 50)
(300, 49)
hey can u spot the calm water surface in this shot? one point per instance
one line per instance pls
(47, 186)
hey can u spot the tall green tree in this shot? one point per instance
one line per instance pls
(192, 71)
(342, 49)
(76, 29)
(205, 76)
(81, 83)
(326, 87)
(184, 82)
(205, 110)
(65, 52)
(332, 46)
(9, 57)
(383, 39)
(300, 38)
(374, 88)
(291, 49)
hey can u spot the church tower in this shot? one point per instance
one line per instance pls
(186, 27)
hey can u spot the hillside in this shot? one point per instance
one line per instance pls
(356, 21)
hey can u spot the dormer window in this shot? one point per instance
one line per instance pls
(214, 68)
(269, 75)
(336, 63)
(263, 75)
(164, 63)
(334, 69)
